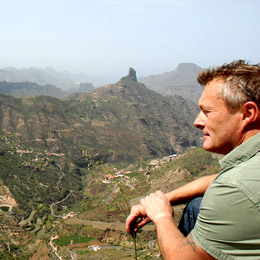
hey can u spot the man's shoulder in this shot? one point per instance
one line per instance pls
(246, 173)
(242, 154)
(238, 168)
(230, 212)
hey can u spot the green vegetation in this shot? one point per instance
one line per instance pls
(133, 174)
(196, 161)
(30, 181)
(5, 209)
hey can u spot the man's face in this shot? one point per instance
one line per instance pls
(221, 128)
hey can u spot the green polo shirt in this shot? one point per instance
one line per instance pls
(228, 225)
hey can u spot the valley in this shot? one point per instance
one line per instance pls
(98, 209)
(70, 169)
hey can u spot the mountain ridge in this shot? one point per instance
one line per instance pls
(63, 80)
(182, 81)
(25, 89)
(125, 118)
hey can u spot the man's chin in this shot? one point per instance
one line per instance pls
(213, 149)
(208, 147)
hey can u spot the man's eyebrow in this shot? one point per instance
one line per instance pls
(206, 106)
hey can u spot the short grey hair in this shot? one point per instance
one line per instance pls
(234, 92)
(241, 82)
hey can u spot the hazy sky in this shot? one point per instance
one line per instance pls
(103, 38)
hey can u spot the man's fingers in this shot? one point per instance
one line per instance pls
(135, 219)
(138, 216)
(130, 223)
(133, 225)
(142, 222)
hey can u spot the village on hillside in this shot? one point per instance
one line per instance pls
(153, 165)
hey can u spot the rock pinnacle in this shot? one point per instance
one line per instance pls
(132, 74)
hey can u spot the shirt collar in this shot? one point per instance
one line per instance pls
(241, 153)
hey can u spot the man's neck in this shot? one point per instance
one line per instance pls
(249, 134)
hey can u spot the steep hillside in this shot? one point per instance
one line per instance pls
(140, 120)
(124, 121)
(181, 81)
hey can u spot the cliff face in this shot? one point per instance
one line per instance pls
(182, 81)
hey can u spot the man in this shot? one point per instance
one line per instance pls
(228, 224)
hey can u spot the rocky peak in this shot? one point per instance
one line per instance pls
(188, 67)
(132, 74)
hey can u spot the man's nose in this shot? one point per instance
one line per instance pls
(199, 122)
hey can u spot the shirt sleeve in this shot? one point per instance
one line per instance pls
(228, 224)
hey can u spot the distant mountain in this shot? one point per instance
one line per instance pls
(82, 87)
(25, 89)
(133, 118)
(182, 81)
(62, 80)
(124, 121)
(76, 77)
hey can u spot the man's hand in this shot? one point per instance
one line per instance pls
(157, 207)
(137, 219)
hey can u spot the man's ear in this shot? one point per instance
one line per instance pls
(250, 112)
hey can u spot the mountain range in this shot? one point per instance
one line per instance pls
(124, 120)
(181, 81)
(27, 89)
(63, 80)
